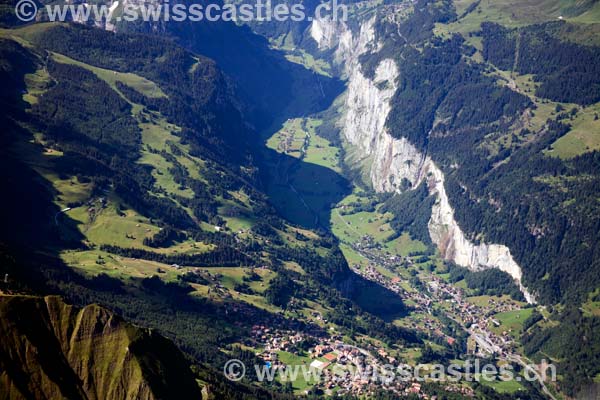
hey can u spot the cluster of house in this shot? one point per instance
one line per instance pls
(327, 352)
(344, 368)
(273, 340)
(420, 301)
(440, 292)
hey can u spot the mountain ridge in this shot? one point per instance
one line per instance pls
(85, 353)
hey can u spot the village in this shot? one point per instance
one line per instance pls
(335, 367)
(281, 342)
(474, 319)
(345, 368)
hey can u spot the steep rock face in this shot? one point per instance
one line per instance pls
(53, 350)
(393, 160)
(348, 46)
(452, 243)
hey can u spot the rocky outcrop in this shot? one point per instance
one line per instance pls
(49, 349)
(348, 46)
(393, 160)
(451, 241)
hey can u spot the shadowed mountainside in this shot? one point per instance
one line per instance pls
(59, 350)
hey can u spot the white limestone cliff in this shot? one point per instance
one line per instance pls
(348, 45)
(367, 106)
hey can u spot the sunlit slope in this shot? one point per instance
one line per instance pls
(88, 353)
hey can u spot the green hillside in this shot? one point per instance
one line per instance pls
(148, 203)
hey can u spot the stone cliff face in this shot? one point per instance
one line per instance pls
(367, 106)
(53, 350)
(452, 243)
(348, 46)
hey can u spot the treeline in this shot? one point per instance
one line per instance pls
(413, 31)
(199, 96)
(439, 82)
(412, 211)
(568, 72)
(80, 106)
(166, 237)
(544, 209)
(573, 339)
(87, 120)
(17, 62)
(92, 125)
(221, 257)
(492, 282)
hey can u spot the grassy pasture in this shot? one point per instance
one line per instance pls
(509, 386)
(139, 83)
(94, 262)
(511, 321)
(583, 137)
